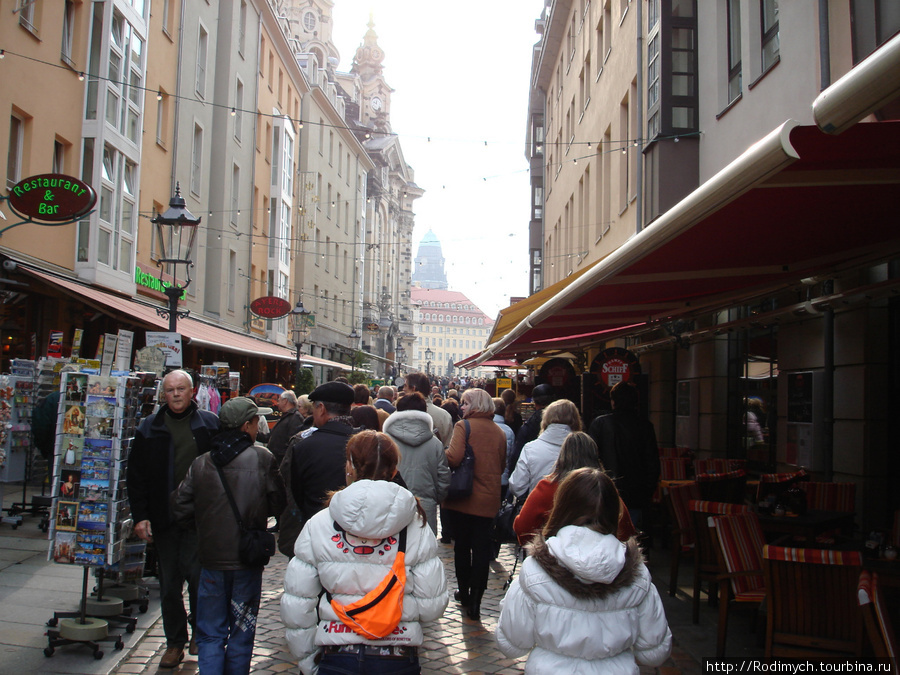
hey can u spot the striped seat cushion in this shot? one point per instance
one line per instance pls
(741, 542)
(727, 475)
(674, 468)
(813, 556)
(869, 591)
(680, 496)
(830, 496)
(717, 508)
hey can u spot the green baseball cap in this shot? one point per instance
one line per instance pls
(235, 411)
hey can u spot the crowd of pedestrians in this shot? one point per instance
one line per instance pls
(358, 482)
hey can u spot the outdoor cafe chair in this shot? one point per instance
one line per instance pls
(811, 603)
(825, 496)
(682, 529)
(876, 618)
(778, 483)
(730, 486)
(706, 562)
(739, 542)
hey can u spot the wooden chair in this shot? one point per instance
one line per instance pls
(811, 603)
(723, 487)
(739, 543)
(706, 562)
(877, 621)
(682, 529)
(830, 496)
(672, 468)
(778, 483)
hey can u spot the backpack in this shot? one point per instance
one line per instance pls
(376, 614)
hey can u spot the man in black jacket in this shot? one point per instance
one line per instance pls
(164, 446)
(317, 457)
(628, 451)
(230, 590)
(541, 396)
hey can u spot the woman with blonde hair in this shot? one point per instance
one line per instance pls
(345, 551)
(584, 601)
(470, 518)
(538, 457)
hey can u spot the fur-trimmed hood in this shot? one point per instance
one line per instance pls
(586, 563)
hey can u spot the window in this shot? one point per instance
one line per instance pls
(162, 115)
(14, 156)
(683, 78)
(59, 157)
(873, 23)
(770, 39)
(284, 254)
(309, 22)
(202, 53)
(197, 160)
(68, 32)
(235, 194)
(242, 27)
(734, 49)
(25, 9)
(232, 279)
(238, 110)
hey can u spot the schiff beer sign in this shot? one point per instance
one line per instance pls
(270, 307)
(615, 365)
(52, 197)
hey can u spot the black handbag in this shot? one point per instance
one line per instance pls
(463, 476)
(255, 547)
(502, 531)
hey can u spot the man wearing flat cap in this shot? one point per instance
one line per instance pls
(229, 590)
(318, 461)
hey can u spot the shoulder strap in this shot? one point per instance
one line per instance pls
(468, 429)
(237, 514)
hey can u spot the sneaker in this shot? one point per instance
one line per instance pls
(192, 647)
(172, 657)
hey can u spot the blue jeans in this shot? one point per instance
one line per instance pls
(227, 606)
(361, 664)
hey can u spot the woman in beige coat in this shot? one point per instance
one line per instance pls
(470, 518)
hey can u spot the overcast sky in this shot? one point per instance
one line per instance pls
(460, 76)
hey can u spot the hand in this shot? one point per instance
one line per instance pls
(143, 531)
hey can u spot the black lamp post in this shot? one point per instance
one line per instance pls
(401, 354)
(429, 355)
(354, 344)
(300, 331)
(176, 231)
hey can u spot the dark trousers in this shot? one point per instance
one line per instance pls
(176, 551)
(471, 549)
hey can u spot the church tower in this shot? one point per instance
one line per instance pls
(310, 27)
(375, 106)
(429, 264)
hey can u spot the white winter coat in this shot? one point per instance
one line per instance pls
(423, 464)
(583, 604)
(352, 563)
(510, 445)
(537, 459)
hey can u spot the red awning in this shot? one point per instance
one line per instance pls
(797, 204)
(199, 332)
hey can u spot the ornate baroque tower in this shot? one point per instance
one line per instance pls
(429, 269)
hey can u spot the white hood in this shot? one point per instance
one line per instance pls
(588, 554)
(373, 509)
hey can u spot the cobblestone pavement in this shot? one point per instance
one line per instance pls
(453, 643)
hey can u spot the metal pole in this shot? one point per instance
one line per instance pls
(297, 366)
(173, 293)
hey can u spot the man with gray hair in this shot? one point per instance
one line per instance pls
(288, 424)
(164, 446)
(385, 400)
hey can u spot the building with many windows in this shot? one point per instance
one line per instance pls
(289, 164)
(708, 193)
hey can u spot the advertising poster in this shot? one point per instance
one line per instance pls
(54, 346)
(169, 343)
(76, 343)
(123, 350)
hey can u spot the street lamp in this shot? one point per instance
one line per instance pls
(401, 354)
(354, 343)
(176, 230)
(300, 331)
(429, 355)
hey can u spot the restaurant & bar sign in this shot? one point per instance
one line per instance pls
(52, 197)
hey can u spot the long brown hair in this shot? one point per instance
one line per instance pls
(374, 456)
(577, 450)
(586, 497)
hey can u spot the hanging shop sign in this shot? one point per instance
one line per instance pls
(52, 197)
(615, 365)
(270, 307)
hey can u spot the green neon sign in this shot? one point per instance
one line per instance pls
(151, 281)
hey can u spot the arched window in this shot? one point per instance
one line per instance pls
(440, 317)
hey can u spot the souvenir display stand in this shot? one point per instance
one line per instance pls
(91, 520)
(18, 456)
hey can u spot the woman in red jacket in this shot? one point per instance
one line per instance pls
(578, 450)
(470, 518)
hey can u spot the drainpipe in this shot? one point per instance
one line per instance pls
(639, 160)
(824, 47)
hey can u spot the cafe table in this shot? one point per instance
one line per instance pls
(807, 526)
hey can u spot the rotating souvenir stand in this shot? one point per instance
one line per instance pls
(91, 518)
(16, 448)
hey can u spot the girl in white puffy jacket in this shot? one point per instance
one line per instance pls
(347, 549)
(584, 602)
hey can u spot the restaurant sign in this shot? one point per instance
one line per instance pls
(615, 365)
(52, 197)
(270, 307)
